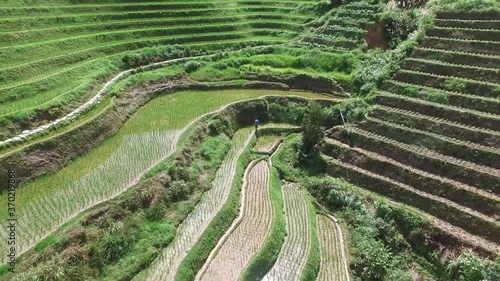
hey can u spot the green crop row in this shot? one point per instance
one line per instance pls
(45, 34)
(450, 56)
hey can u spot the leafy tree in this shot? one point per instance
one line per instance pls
(312, 132)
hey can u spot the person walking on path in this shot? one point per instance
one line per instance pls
(256, 123)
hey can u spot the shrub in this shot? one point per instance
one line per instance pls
(155, 213)
(192, 66)
(398, 25)
(471, 268)
(313, 134)
(115, 246)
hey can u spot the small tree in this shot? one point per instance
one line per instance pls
(312, 133)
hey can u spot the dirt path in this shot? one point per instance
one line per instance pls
(295, 251)
(252, 227)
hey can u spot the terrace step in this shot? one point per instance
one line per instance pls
(348, 32)
(457, 192)
(470, 46)
(452, 113)
(476, 24)
(469, 15)
(459, 58)
(438, 125)
(453, 84)
(464, 33)
(468, 151)
(444, 209)
(350, 22)
(423, 159)
(478, 103)
(363, 14)
(490, 75)
(333, 42)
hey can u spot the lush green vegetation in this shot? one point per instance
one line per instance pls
(91, 42)
(421, 127)
(387, 241)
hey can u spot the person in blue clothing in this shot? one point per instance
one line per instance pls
(257, 123)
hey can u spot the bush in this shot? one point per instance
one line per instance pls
(398, 25)
(115, 246)
(312, 133)
(468, 267)
(192, 66)
(155, 213)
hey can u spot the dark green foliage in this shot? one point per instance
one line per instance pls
(192, 66)
(313, 134)
(114, 246)
(398, 24)
(468, 267)
(155, 213)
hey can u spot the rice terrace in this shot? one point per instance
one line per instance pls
(214, 140)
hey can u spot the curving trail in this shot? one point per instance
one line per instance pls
(166, 265)
(295, 251)
(250, 231)
(333, 265)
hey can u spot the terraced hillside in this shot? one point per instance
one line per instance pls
(433, 139)
(343, 29)
(54, 56)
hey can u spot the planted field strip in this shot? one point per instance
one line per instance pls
(450, 56)
(449, 83)
(490, 75)
(333, 265)
(468, 46)
(295, 251)
(438, 125)
(452, 113)
(136, 154)
(468, 196)
(252, 228)
(51, 33)
(471, 152)
(166, 265)
(444, 209)
(265, 144)
(40, 11)
(459, 23)
(477, 103)
(429, 161)
(465, 33)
